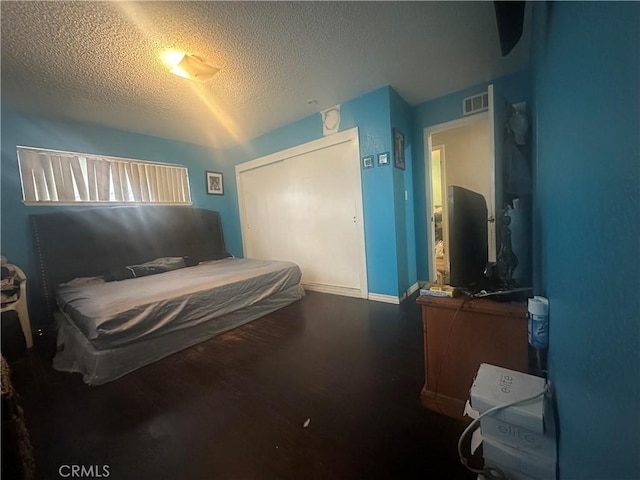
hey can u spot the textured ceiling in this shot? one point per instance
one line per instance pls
(101, 62)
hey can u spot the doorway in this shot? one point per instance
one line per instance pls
(458, 153)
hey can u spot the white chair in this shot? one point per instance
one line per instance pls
(20, 306)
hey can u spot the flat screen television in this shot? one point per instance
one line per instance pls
(468, 245)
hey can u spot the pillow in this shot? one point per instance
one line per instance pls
(159, 265)
(82, 281)
(220, 255)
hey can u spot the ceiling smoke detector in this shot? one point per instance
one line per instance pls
(190, 66)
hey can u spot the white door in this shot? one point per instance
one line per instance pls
(305, 205)
(497, 119)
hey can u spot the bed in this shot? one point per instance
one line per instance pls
(128, 286)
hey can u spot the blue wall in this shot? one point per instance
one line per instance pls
(33, 131)
(514, 88)
(401, 119)
(371, 114)
(587, 205)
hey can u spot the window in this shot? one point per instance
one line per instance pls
(55, 177)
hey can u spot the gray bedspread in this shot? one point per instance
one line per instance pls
(111, 314)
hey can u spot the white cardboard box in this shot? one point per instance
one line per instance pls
(517, 464)
(495, 386)
(539, 444)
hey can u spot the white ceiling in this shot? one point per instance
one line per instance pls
(100, 62)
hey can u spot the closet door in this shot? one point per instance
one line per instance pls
(307, 208)
(266, 213)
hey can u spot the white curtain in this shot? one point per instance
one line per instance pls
(71, 178)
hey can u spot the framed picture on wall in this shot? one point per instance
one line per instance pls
(367, 162)
(214, 183)
(398, 149)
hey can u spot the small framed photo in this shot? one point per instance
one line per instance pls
(398, 149)
(214, 183)
(383, 158)
(367, 162)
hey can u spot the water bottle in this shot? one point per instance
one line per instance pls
(538, 324)
(538, 335)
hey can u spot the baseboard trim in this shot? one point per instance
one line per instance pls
(409, 291)
(344, 291)
(412, 289)
(379, 297)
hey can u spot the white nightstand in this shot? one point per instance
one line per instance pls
(20, 304)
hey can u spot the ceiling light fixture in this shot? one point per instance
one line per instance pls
(190, 66)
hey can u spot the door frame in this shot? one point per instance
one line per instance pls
(445, 226)
(347, 136)
(428, 132)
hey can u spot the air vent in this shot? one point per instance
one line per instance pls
(475, 104)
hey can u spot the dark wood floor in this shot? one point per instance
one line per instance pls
(234, 406)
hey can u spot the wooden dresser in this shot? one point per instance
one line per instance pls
(484, 331)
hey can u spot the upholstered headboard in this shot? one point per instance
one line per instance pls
(90, 242)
